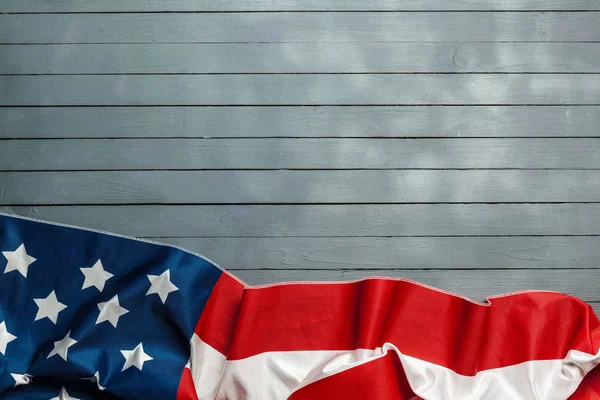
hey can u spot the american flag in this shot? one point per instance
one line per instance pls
(91, 315)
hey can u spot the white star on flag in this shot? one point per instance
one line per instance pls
(5, 337)
(21, 379)
(95, 379)
(161, 285)
(63, 395)
(49, 307)
(136, 357)
(18, 260)
(95, 276)
(111, 311)
(61, 347)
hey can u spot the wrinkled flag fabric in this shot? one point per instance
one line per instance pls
(90, 315)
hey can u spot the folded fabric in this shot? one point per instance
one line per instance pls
(91, 315)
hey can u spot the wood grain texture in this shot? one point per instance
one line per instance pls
(299, 89)
(288, 5)
(328, 220)
(507, 200)
(476, 284)
(299, 58)
(182, 154)
(299, 187)
(247, 122)
(349, 27)
(386, 253)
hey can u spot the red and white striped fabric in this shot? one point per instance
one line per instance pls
(390, 339)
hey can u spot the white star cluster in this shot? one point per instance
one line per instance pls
(97, 279)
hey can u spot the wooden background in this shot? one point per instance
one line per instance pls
(454, 143)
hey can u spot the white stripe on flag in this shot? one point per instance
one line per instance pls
(207, 365)
(276, 375)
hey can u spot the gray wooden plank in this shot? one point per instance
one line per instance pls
(376, 253)
(329, 220)
(475, 284)
(299, 187)
(299, 57)
(277, 153)
(289, 5)
(360, 121)
(299, 89)
(299, 27)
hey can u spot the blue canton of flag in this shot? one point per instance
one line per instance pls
(88, 315)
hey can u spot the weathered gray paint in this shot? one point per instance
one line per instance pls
(247, 122)
(398, 253)
(181, 154)
(299, 58)
(329, 220)
(379, 89)
(299, 187)
(344, 27)
(283, 5)
(476, 284)
(498, 94)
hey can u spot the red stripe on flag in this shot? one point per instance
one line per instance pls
(218, 319)
(589, 389)
(431, 325)
(381, 379)
(187, 390)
